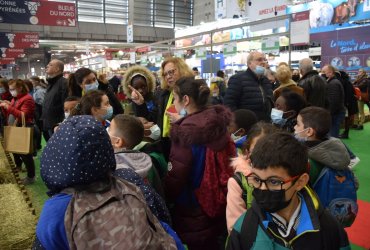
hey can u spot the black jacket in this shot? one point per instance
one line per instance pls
(335, 96)
(314, 88)
(53, 106)
(247, 91)
(350, 101)
(143, 111)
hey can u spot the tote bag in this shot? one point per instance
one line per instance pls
(18, 140)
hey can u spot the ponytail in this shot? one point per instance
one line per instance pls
(196, 89)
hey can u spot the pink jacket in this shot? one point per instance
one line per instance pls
(235, 204)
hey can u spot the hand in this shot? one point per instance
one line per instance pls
(136, 97)
(173, 116)
(6, 101)
(4, 105)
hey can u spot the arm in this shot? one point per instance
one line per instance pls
(233, 93)
(235, 203)
(335, 96)
(27, 107)
(117, 107)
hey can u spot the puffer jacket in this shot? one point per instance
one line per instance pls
(335, 96)
(314, 88)
(247, 91)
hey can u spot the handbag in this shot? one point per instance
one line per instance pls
(18, 140)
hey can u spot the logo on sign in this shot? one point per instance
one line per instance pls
(32, 7)
(3, 51)
(11, 39)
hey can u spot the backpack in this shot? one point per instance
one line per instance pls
(246, 189)
(337, 192)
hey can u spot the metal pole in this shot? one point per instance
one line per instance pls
(211, 61)
(290, 44)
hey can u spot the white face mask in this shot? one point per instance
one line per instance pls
(155, 132)
(66, 115)
(13, 93)
(235, 137)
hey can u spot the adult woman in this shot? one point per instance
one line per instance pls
(4, 90)
(171, 70)
(284, 76)
(200, 145)
(22, 102)
(138, 84)
(95, 103)
(84, 80)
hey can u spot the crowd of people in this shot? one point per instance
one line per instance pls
(230, 164)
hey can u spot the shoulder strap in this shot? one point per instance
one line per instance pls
(246, 190)
(249, 229)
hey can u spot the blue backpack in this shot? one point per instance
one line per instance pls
(337, 192)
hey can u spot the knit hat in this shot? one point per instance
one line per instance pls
(79, 153)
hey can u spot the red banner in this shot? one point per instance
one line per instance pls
(19, 40)
(11, 53)
(4, 61)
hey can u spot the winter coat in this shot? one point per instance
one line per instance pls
(247, 91)
(191, 136)
(149, 109)
(314, 89)
(350, 100)
(235, 203)
(22, 103)
(362, 83)
(53, 106)
(289, 85)
(335, 96)
(327, 153)
(316, 229)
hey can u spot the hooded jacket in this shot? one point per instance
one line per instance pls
(314, 88)
(149, 109)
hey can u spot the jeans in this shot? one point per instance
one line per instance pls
(28, 162)
(336, 120)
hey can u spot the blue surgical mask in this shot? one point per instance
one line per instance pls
(2, 90)
(259, 70)
(92, 86)
(109, 113)
(183, 112)
(277, 117)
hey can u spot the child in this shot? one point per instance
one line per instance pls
(89, 208)
(134, 166)
(313, 126)
(242, 121)
(69, 104)
(236, 200)
(285, 213)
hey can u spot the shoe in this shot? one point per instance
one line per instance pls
(28, 180)
(353, 162)
(360, 127)
(354, 126)
(344, 135)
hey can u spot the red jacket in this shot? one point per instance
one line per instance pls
(22, 103)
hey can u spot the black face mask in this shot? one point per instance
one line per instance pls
(295, 78)
(271, 201)
(324, 76)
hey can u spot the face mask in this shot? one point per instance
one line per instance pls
(109, 113)
(2, 90)
(13, 93)
(259, 70)
(277, 117)
(155, 132)
(271, 201)
(66, 115)
(295, 78)
(92, 86)
(183, 112)
(235, 137)
(300, 139)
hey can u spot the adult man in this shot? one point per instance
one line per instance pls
(250, 89)
(336, 99)
(313, 85)
(56, 93)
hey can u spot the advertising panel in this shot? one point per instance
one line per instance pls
(300, 28)
(19, 40)
(11, 53)
(230, 9)
(38, 13)
(5, 60)
(266, 9)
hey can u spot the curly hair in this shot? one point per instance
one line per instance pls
(183, 69)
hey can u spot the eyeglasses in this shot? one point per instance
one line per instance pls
(272, 183)
(171, 72)
(261, 59)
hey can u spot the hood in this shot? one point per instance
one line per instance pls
(241, 164)
(130, 72)
(207, 127)
(135, 160)
(331, 153)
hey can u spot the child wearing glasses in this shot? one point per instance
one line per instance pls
(285, 213)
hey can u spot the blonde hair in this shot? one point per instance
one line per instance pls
(183, 69)
(283, 74)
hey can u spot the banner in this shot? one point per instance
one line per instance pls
(19, 40)
(300, 28)
(4, 61)
(130, 33)
(38, 13)
(229, 48)
(11, 53)
(266, 9)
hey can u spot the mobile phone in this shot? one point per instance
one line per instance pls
(172, 109)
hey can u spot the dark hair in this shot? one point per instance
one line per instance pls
(280, 149)
(293, 100)
(72, 99)
(195, 89)
(19, 84)
(130, 129)
(90, 100)
(317, 118)
(195, 69)
(4, 82)
(220, 73)
(76, 79)
(258, 129)
(245, 119)
(28, 84)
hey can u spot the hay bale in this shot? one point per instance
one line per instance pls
(6, 175)
(17, 228)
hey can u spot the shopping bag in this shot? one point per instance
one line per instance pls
(18, 140)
